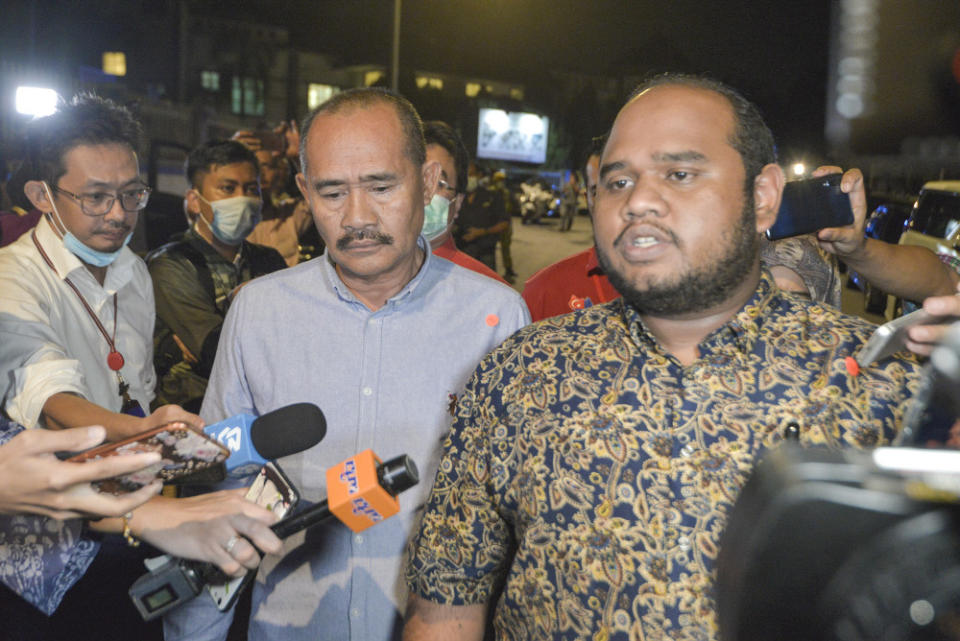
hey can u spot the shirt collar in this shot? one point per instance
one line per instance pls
(410, 292)
(739, 333)
(119, 272)
(593, 263)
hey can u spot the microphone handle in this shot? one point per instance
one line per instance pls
(302, 520)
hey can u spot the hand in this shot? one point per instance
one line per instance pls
(203, 527)
(33, 479)
(291, 134)
(921, 339)
(248, 139)
(168, 414)
(846, 241)
(185, 351)
(473, 233)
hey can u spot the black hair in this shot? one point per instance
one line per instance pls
(595, 148)
(415, 148)
(751, 137)
(437, 132)
(87, 119)
(216, 153)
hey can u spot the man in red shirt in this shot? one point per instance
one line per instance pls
(445, 147)
(577, 281)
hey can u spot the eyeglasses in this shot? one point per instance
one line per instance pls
(443, 184)
(101, 202)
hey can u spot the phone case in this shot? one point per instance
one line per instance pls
(889, 338)
(811, 205)
(274, 491)
(184, 451)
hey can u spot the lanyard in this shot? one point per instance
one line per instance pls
(114, 358)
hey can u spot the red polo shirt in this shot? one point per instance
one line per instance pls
(573, 283)
(449, 251)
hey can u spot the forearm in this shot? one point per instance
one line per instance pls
(906, 271)
(499, 228)
(428, 621)
(63, 410)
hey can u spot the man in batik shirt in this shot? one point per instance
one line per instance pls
(595, 456)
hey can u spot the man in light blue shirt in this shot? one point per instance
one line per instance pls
(382, 336)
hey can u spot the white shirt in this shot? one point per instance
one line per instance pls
(50, 344)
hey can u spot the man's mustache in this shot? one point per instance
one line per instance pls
(344, 241)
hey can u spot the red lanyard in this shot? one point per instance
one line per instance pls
(114, 358)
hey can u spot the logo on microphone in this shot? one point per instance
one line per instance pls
(349, 476)
(232, 437)
(362, 508)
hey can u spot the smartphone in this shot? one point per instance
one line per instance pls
(184, 449)
(811, 205)
(270, 140)
(890, 337)
(274, 491)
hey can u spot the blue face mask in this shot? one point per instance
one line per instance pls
(435, 217)
(233, 218)
(74, 246)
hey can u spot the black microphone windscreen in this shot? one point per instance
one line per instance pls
(288, 430)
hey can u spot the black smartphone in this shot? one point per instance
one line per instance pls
(274, 491)
(810, 205)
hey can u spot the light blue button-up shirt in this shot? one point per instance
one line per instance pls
(384, 380)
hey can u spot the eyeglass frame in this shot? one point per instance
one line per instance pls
(115, 196)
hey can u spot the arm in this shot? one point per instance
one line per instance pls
(428, 621)
(64, 410)
(33, 480)
(901, 270)
(201, 528)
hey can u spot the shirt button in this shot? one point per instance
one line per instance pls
(684, 543)
(355, 613)
(367, 391)
(358, 539)
(687, 450)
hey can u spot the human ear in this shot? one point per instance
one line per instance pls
(33, 190)
(767, 192)
(192, 201)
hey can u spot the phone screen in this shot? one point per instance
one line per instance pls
(183, 449)
(811, 205)
(274, 491)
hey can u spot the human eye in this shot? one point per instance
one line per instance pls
(382, 188)
(682, 176)
(616, 184)
(97, 198)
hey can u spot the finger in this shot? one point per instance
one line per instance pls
(921, 349)
(245, 554)
(929, 334)
(943, 305)
(36, 441)
(101, 504)
(71, 473)
(823, 170)
(259, 534)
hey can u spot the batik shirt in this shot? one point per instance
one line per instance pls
(590, 474)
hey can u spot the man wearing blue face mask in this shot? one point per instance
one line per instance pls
(194, 278)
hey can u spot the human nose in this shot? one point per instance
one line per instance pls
(116, 212)
(357, 212)
(645, 199)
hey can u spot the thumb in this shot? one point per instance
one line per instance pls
(69, 440)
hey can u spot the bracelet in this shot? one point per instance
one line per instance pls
(127, 534)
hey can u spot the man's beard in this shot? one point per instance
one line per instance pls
(700, 287)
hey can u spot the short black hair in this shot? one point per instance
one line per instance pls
(216, 153)
(595, 148)
(361, 97)
(751, 137)
(87, 119)
(437, 132)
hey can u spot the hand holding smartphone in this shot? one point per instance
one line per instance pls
(811, 205)
(890, 337)
(183, 451)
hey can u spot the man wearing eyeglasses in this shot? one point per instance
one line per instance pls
(194, 278)
(76, 348)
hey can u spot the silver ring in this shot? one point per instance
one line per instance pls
(231, 544)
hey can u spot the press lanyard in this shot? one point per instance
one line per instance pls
(114, 358)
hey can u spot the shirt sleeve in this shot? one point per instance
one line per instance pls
(463, 546)
(186, 308)
(34, 363)
(227, 392)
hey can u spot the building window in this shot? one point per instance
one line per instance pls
(472, 89)
(114, 63)
(516, 93)
(247, 96)
(210, 80)
(429, 82)
(372, 77)
(318, 94)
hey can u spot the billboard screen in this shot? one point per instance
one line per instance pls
(512, 135)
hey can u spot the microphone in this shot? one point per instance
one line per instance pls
(254, 440)
(363, 491)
